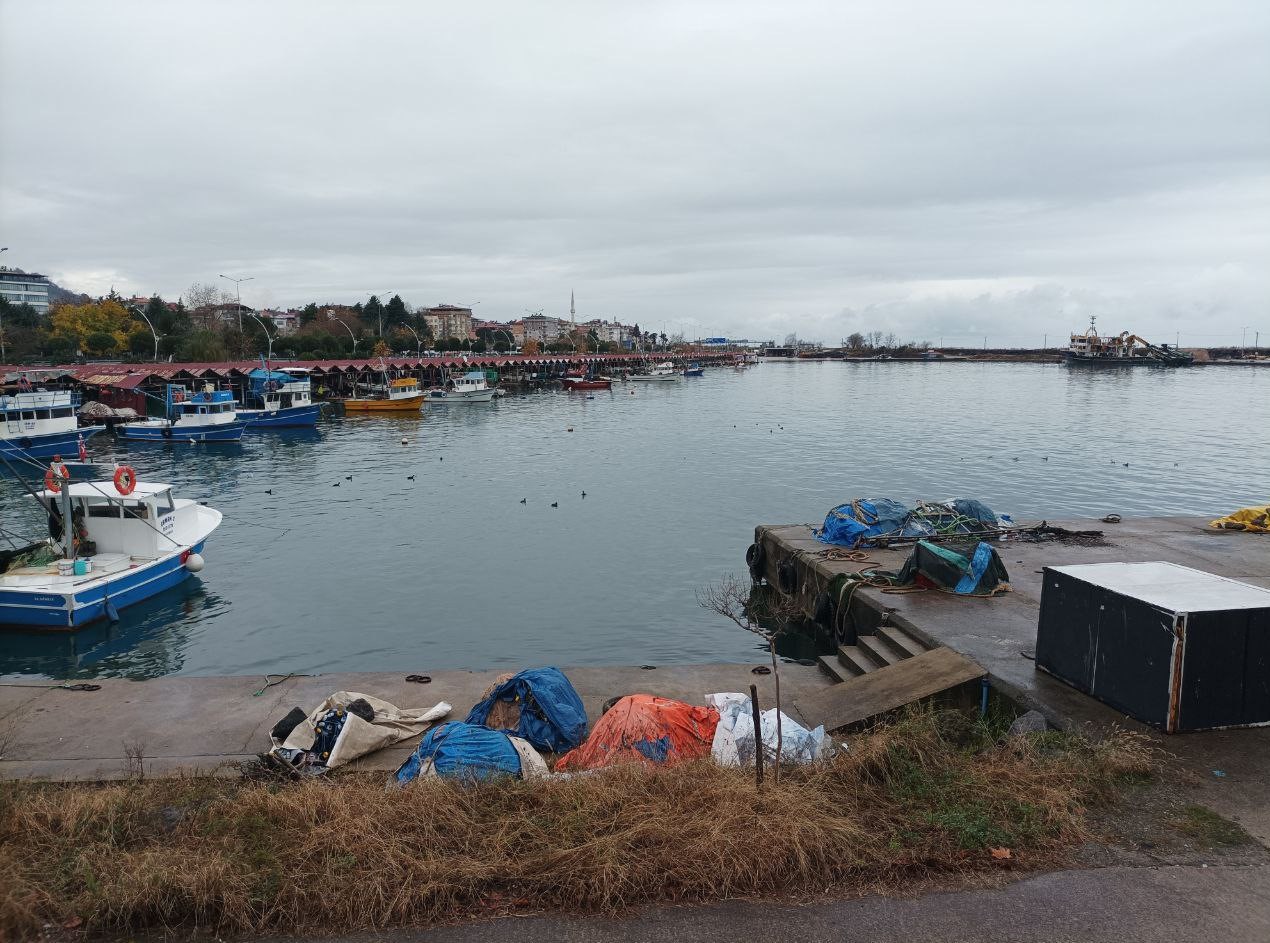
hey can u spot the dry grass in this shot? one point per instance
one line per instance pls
(929, 794)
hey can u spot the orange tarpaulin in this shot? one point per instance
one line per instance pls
(647, 729)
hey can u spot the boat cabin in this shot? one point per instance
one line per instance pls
(403, 388)
(208, 407)
(41, 412)
(275, 389)
(471, 382)
(140, 525)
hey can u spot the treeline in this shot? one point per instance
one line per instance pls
(879, 341)
(207, 324)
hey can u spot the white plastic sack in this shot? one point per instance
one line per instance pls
(358, 737)
(734, 737)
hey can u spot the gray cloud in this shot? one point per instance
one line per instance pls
(926, 168)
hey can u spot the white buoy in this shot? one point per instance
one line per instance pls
(194, 562)
(403, 441)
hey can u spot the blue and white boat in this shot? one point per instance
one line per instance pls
(117, 548)
(206, 416)
(694, 370)
(41, 424)
(280, 399)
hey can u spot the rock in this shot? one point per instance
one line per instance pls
(1031, 722)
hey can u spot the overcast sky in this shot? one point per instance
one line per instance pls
(940, 170)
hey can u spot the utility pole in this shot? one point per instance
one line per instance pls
(238, 298)
(1243, 343)
(2, 354)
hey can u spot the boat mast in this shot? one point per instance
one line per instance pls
(68, 526)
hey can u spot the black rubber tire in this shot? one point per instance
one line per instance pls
(167, 433)
(25, 443)
(787, 577)
(822, 611)
(756, 557)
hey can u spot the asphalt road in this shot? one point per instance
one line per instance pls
(1117, 905)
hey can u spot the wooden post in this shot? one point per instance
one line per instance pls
(758, 737)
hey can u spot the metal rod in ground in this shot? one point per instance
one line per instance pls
(758, 737)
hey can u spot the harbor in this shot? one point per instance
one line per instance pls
(608, 578)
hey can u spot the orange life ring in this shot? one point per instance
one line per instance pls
(56, 476)
(125, 479)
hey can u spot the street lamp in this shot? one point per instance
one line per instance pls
(238, 298)
(347, 328)
(418, 342)
(269, 355)
(137, 310)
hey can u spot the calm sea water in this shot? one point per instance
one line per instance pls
(451, 570)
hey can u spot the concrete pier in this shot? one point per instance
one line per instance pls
(208, 724)
(999, 633)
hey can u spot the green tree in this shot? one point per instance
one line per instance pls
(22, 315)
(141, 345)
(100, 343)
(395, 311)
(308, 314)
(373, 313)
(502, 346)
(202, 346)
(478, 346)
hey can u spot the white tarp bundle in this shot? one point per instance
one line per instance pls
(734, 737)
(358, 737)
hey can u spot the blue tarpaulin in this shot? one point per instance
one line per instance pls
(551, 715)
(463, 751)
(862, 521)
(852, 524)
(262, 380)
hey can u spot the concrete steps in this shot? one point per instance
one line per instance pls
(890, 646)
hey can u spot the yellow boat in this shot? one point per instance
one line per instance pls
(401, 396)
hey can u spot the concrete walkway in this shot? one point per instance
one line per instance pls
(1110, 905)
(203, 723)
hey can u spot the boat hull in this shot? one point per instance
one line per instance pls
(292, 417)
(1077, 360)
(405, 405)
(647, 378)
(64, 611)
(588, 384)
(449, 398)
(695, 373)
(225, 432)
(47, 445)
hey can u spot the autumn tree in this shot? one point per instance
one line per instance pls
(97, 320)
(531, 348)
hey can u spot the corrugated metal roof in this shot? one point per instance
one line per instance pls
(119, 381)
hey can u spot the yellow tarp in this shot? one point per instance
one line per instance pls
(1256, 520)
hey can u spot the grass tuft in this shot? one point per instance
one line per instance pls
(929, 793)
(1208, 829)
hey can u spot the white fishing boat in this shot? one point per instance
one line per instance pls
(115, 542)
(661, 371)
(471, 387)
(40, 424)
